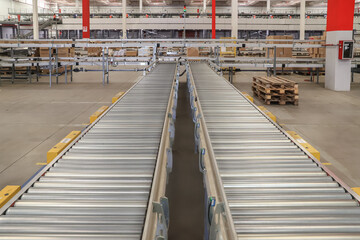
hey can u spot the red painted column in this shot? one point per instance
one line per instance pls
(86, 18)
(340, 15)
(339, 27)
(213, 22)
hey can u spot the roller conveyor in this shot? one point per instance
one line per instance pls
(271, 188)
(101, 187)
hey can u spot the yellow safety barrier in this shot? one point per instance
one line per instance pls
(305, 144)
(268, 113)
(248, 96)
(7, 193)
(227, 51)
(58, 148)
(98, 113)
(357, 190)
(327, 164)
(117, 96)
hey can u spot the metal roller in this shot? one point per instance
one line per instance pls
(98, 175)
(92, 180)
(286, 211)
(100, 187)
(141, 196)
(297, 220)
(304, 227)
(64, 220)
(125, 229)
(287, 191)
(272, 173)
(301, 236)
(290, 196)
(273, 189)
(66, 236)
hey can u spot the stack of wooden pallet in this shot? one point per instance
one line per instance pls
(276, 90)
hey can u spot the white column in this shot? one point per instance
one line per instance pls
(234, 18)
(268, 9)
(337, 72)
(77, 4)
(124, 18)
(35, 20)
(302, 19)
(140, 6)
(204, 6)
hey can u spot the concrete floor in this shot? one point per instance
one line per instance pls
(328, 120)
(35, 117)
(185, 189)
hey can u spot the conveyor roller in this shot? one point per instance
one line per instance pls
(100, 188)
(273, 188)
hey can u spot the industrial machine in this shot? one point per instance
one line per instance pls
(346, 50)
(261, 183)
(110, 182)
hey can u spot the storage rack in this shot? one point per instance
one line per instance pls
(144, 63)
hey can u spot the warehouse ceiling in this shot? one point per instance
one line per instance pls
(244, 3)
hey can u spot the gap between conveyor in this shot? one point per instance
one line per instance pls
(185, 189)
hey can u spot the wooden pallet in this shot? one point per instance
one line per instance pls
(276, 90)
(279, 72)
(308, 73)
(275, 82)
(17, 72)
(267, 99)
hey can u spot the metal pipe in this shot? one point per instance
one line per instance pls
(35, 18)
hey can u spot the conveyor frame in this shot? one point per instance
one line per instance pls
(210, 162)
(212, 180)
(159, 180)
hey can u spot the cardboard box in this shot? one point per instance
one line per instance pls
(71, 52)
(131, 53)
(288, 52)
(63, 52)
(44, 52)
(322, 51)
(318, 52)
(94, 51)
(280, 52)
(193, 52)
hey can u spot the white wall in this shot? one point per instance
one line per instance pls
(7, 32)
(10, 4)
(19, 6)
(5, 5)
